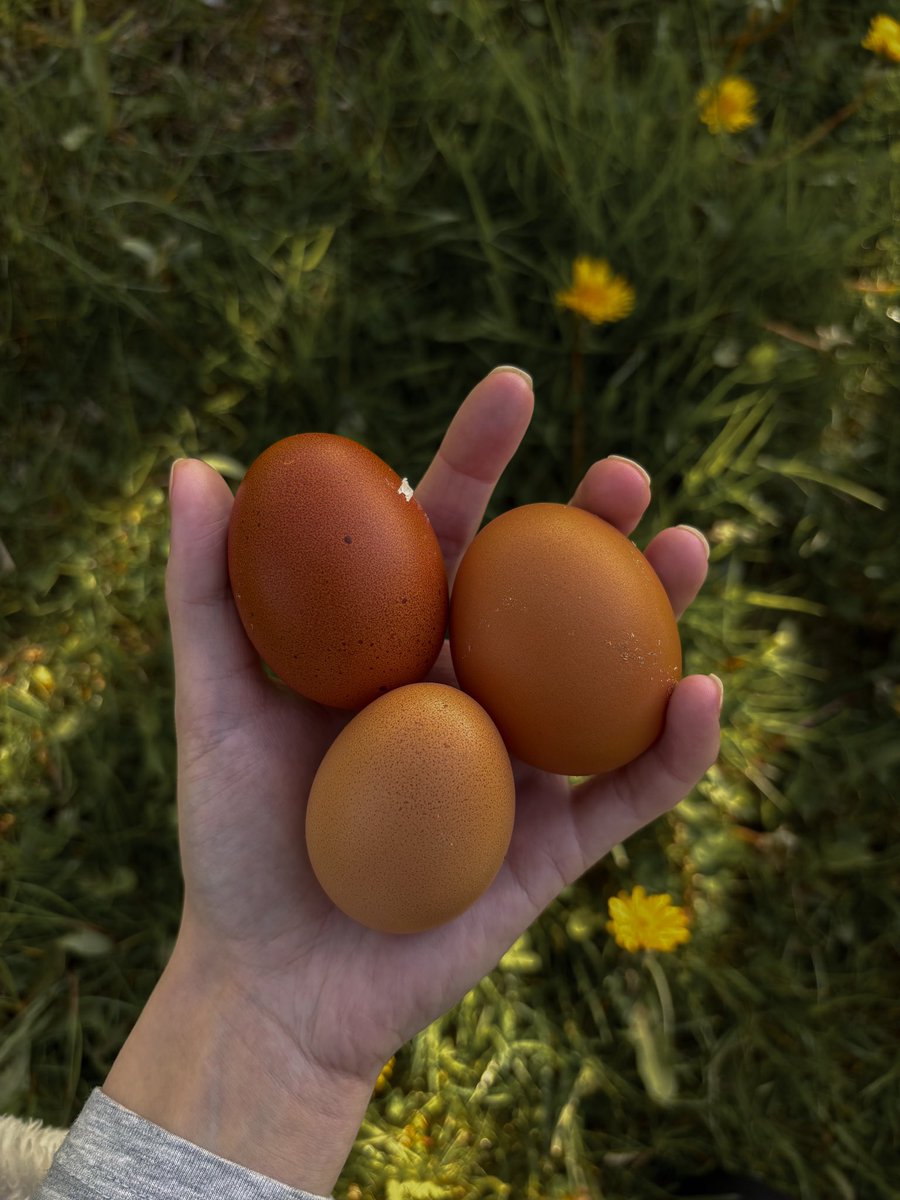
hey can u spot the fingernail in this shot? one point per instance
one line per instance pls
(172, 475)
(721, 686)
(515, 371)
(697, 534)
(631, 463)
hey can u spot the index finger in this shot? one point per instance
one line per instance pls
(479, 443)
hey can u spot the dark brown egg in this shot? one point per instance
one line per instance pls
(336, 572)
(562, 631)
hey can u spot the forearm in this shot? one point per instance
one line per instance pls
(201, 1065)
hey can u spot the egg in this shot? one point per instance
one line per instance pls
(411, 810)
(563, 632)
(336, 572)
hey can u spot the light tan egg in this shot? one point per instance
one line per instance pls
(411, 811)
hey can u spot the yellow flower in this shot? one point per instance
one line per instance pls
(642, 922)
(728, 106)
(884, 37)
(596, 292)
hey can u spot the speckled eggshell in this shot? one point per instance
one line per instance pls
(336, 572)
(411, 811)
(562, 630)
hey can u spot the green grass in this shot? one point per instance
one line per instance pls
(221, 226)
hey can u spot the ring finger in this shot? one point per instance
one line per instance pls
(618, 490)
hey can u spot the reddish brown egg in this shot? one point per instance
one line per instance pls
(336, 572)
(411, 811)
(562, 630)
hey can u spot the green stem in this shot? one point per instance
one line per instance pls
(578, 420)
(658, 976)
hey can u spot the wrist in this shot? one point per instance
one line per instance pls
(203, 1065)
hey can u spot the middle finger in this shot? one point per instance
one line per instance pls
(482, 438)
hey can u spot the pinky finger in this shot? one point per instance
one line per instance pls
(612, 807)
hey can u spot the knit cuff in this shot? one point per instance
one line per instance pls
(111, 1153)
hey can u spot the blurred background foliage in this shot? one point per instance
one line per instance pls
(222, 223)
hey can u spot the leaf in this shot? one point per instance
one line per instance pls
(412, 1189)
(525, 961)
(224, 402)
(318, 249)
(74, 138)
(7, 562)
(22, 701)
(225, 465)
(111, 31)
(96, 72)
(739, 430)
(794, 469)
(141, 249)
(653, 1056)
(85, 943)
(792, 603)
(79, 12)
(735, 594)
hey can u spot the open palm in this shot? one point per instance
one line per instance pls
(248, 750)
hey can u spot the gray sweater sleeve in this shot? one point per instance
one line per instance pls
(111, 1153)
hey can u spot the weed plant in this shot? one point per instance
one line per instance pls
(224, 223)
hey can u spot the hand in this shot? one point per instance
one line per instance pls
(315, 1003)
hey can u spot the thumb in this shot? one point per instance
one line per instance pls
(210, 647)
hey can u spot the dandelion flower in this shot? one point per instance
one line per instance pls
(642, 922)
(727, 107)
(884, 37)
(596, 293)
